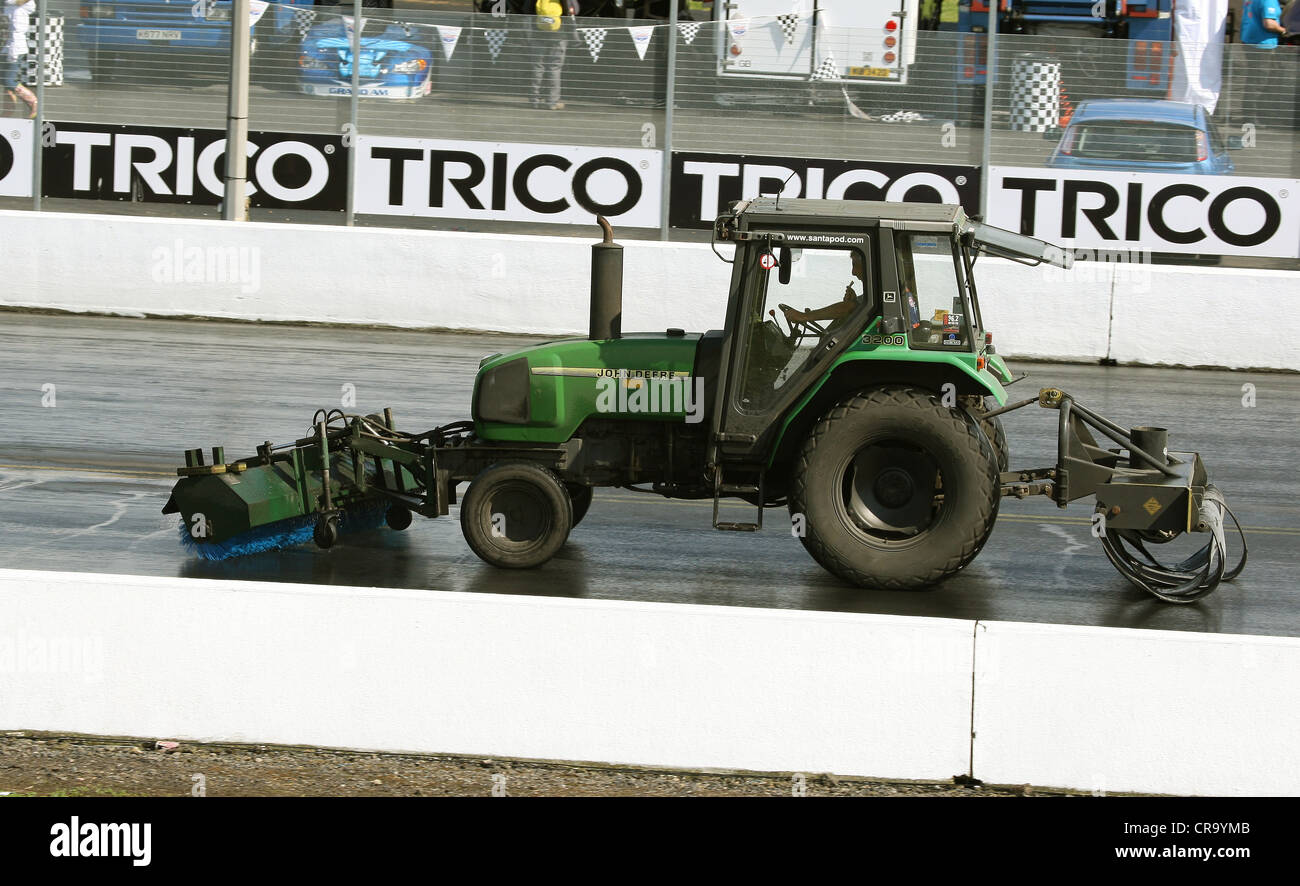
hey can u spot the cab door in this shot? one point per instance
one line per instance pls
(768, 363)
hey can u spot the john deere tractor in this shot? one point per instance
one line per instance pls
(870, 411)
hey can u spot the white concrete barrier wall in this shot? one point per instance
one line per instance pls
(1103, 709)
(1099, 709)
(646, 683)
(526, 284)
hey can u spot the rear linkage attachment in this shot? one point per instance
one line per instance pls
(1149, 497)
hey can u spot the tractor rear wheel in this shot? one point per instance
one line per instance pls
(896, 490)
(992, 428)
(516, 515)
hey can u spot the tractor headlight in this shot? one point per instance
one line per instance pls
(502, 394)
(410, 66)
(97, 10)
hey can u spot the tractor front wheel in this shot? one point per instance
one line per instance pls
(581, 497)
(516, 515)
(896, 490)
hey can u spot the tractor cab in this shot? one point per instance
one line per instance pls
(828, 294)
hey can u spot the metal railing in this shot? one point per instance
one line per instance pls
(754, 99)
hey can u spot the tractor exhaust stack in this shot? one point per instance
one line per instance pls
(606, 286)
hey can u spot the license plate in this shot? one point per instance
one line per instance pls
(151, 34)
(870, 72)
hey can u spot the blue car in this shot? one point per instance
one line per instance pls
(178, 39)
(391, 65)
(1141, 135)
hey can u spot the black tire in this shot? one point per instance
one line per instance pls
(325, 533)
(907, 440)
(992, 428)
(580, 496)
(536, 510)
(398, 517)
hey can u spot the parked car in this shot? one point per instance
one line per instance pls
(1143, 135)
(392, 66)
(176, 39)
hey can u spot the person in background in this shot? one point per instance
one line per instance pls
(549, 44)
(19, 14)
(1291, 24)
(1260, 29)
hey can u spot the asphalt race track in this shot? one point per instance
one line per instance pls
(82, 482)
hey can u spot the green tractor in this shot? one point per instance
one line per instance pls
(871, 413)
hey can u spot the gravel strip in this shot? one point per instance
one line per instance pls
(41, 764)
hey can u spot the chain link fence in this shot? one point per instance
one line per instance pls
(723, 111)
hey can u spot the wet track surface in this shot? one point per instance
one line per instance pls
(82, 482)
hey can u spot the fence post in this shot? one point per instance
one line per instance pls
(990, 80)
(354, 114)
(670, 99)
(235, 191)
(38, 136)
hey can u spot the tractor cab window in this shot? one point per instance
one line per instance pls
(805, 296)
(931, 289)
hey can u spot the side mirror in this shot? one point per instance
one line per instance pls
(785, 261)
(1052, 135)
(1236, 142)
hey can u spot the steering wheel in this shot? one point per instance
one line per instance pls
(801, 328)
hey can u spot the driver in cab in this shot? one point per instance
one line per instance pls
(838, 310)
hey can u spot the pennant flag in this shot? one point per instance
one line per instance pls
(641, 39)
(303, 19)
(689, 31)
(827, 70)
(496, 38)
(789, 26)
(738, 27)
(854, 110)
(448, 36)
(347, 25)
(595, 40)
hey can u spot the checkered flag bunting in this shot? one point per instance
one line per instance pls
(496, 38)
(303, 19)
(595, 40)
(689, 31)
(827, 70)
(789, 26)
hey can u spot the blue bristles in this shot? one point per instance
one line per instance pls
(281, 534)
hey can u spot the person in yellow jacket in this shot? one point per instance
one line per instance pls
(550, 42)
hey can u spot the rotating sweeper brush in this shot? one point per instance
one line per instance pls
(874, 420)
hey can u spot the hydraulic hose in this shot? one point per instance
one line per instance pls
(1194, 578)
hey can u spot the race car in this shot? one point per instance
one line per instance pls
(391, 65)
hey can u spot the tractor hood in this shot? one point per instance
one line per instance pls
(543, 394)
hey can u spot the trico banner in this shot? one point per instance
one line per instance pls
(704, 185)
(16, 158)
(439, 178)
(1203, 214)
(157, 164)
